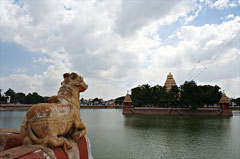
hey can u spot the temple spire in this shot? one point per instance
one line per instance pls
(224, 101)
(127, 100)
(169, 82)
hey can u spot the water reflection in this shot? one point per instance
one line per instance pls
(176, 136)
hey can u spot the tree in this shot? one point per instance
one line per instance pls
(190, 94)
(209, 94)
(173, 96)
(238, 101)
(141, 95)
(119, 100)
(81, 100)
(11, 93)
(3, 99)
(33, 98)
(96, 100)
(20, 97)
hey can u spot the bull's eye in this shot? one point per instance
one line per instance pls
(81, 79)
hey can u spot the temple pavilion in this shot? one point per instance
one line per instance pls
(224, 101)
(127, 101)
(169, 82)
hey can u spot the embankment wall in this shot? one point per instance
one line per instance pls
(178, 111)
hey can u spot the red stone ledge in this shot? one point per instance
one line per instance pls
(11, 148)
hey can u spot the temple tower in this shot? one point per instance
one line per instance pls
(169, 82)
(127, 101)
(224, 102)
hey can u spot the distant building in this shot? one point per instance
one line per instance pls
(109, 102)
(169, 82)
(224, 101)
(127, 102)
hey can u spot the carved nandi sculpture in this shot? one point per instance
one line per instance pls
(57, 123)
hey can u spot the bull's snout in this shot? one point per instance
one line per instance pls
(85, 86)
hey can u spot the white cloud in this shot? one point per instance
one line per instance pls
(230, 16)
(136, 14)
(116, 45)
(20, 70)
(221, 4)
(190, 18)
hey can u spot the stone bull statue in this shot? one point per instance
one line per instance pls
(58, 122)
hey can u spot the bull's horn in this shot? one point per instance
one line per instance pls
(65, 75)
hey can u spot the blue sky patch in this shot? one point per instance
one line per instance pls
(16, 58)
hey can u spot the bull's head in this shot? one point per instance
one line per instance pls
(75, 81)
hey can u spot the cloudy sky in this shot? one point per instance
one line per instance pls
(118, 44)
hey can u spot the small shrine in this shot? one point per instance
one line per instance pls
(224, 101)
(127, 102)
(169, 82)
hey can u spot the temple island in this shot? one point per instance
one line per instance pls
(222, 108)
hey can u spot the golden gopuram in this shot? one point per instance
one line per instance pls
(127, 101)
(224, 101)
(169, 82)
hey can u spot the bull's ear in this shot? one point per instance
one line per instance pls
(73, 75)
(65, 75)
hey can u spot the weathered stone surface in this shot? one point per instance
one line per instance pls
(81, 150)
(57, 123)
(9, 138)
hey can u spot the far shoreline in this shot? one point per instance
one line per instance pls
(6, 107)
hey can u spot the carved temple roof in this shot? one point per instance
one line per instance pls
(169, 82)
(127, 99)
(224, 99)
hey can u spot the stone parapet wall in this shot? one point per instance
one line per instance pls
(178, 111)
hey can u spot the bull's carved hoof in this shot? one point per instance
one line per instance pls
(57, 123)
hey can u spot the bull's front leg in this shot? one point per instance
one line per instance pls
(79, 131)
(54, 141)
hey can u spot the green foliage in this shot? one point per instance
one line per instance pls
(82, 100)
(119, 100)
(3, 99)
(237, 101)
(141, 95)
(20, 97)
(10, 93)
(154, 96)
(187, 95)
(31, 98)
(96, 100)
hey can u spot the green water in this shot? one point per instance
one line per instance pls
(114, 135)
